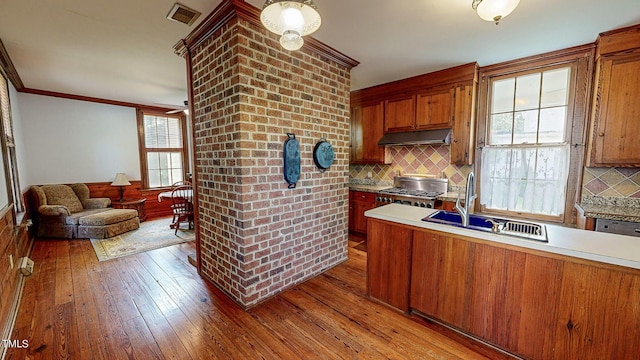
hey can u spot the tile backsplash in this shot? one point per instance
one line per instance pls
(416, 159)
(611, 182)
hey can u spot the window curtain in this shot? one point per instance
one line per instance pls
(530, 179)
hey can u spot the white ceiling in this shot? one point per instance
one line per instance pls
(122, 50)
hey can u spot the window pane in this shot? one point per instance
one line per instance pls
(153, 162)
(501, 129)
(552, 124)
(161, 130)
(176, 175)
(555, 86)
(528, 92)
(150, 136)
(154, 178)
(531, 180)
(164, 178)
(174, 136)
(525, 127)
(502, 95)
(176, 160)
(164, 160)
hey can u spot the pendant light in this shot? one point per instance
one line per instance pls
(291, 20)
(494, 10)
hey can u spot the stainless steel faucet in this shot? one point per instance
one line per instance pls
(470, 195)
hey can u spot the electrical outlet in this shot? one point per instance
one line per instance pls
(26, 266)
(10, 262)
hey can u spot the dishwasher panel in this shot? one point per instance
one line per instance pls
(618, 227)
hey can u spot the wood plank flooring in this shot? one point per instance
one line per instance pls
(155, 306)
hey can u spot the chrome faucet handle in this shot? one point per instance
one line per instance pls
(495, 225)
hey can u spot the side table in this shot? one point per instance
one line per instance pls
(136, 204)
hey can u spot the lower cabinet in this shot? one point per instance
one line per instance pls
(359, 202)
(529, 303)
(389, 263)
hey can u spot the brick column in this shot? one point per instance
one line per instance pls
(257, 237)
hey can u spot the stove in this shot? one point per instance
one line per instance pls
(413, 190)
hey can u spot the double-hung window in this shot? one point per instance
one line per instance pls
(531, 131)
(163, 155)
(525, 161)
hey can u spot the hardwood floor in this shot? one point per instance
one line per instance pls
(154, 306)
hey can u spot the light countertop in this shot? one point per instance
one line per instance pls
(368, 188)
(597, 246)
(610, 212)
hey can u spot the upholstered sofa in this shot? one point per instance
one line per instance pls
(68, 211)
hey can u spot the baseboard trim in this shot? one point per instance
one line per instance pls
(13, 315)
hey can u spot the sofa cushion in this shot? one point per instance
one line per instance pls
(107, 217)
(74, 219)
(62, 195)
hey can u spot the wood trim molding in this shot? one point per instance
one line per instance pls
(94, 99)
(6, 65)
(231, 9)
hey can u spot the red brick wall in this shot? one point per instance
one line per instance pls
(257, 236)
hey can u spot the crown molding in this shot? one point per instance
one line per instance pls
(94, 100)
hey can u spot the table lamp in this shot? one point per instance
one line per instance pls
(122, 181)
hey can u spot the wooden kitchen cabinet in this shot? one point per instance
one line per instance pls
(400, 113)
(463, 130)
(359, 202)
(525, 302)
(367, 127)
(434, 109)
(389, 263)
(616, 110)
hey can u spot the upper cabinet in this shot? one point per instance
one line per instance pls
(400, 114)
(434, 109)
(437, 100)
(366, 129)
(616, 110)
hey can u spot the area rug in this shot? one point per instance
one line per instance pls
(151, 235)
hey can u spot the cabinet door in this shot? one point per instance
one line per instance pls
(362, 201)
(617, 113)
(367, 127)
(400, 114)
(389, 263)
(439, 277)
(434, 110)
(463, 130)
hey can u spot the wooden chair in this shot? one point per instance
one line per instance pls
(182, 206)
(180, 183)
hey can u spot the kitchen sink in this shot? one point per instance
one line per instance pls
(496, 225)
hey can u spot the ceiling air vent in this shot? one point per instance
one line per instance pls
(183, 14)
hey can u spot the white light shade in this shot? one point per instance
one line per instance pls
(494, 10)
(291, 40)
(300, 16)
(120, 180)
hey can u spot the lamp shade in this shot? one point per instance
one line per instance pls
(120, 180)
(291, 20)
(494, 10)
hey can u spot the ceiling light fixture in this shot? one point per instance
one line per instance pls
(494, 10)
(291, 20)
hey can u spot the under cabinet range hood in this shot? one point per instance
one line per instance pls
(440, 136)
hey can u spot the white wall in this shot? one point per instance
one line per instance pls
(18, 136)
(66, 141)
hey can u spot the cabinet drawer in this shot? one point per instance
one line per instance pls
(364, 196)
(618, 227)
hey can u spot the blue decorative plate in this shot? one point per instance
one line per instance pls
(291, 152)
(323, 155)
